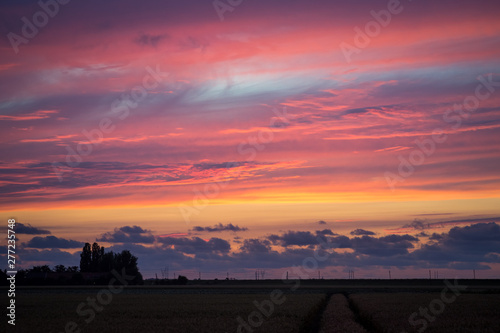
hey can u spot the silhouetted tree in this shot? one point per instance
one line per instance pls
(126, 260)
(182, 279)
(86, 258)
(97, 254)
(107, 262)
(41, 269)
(21, 275)
(59, 269)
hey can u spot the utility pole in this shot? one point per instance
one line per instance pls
(287, 275)
(390, 275)
(474, 273)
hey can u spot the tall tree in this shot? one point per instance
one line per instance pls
(97, 253)
(86, 258)
(107, 262)
(126, 260)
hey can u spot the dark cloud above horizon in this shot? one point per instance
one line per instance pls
(196, 245)
(256, 246)
(301, 238)
(385, 246)
(51, 257)
(436, 237)
(463, 242)
(362, 232)
(133, 230)
(219, 227)
(369, 252)
(418, 224)
(52, 242)
(127, 234)
(476, 246)
(27, 229)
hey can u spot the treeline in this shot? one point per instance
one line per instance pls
(44, 275)
(96, 267)
(93, 259)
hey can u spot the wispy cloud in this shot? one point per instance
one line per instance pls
(219, 227)
(41, 114)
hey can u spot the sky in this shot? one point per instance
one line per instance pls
(225, 137)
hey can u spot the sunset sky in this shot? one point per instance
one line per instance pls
(219, 138)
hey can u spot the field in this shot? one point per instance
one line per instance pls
(165, 313)
(244, 308)
(393, 312)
